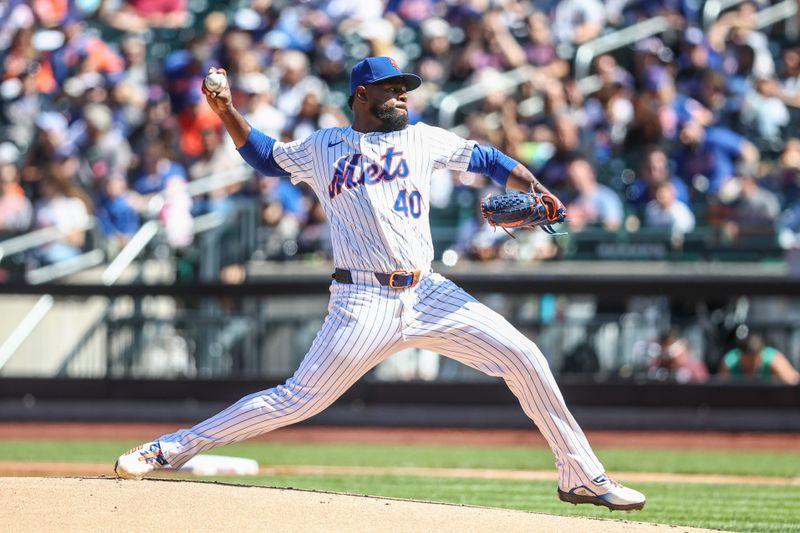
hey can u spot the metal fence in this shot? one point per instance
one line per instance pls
(267, 336)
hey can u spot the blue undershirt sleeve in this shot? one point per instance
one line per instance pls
(491, 162)
(257, 152)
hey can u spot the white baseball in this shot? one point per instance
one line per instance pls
(215, 82)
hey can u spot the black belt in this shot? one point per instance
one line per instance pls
(399, 279)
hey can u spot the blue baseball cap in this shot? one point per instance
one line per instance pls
(375, 69)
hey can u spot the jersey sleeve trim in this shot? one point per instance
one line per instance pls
(257, 152)
(490, 161)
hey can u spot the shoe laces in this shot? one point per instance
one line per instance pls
(149, 455)
(603, 479)
(134, 449)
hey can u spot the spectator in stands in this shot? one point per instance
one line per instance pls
(208, 43)
(784, 179)
(655, 170)
(753, 358)
(738, 66)
(788, 89)
(557, 102)
(17, 14)
(578, 21)
(789, 228)
(117, 214)
(763, 112)
(259, 16)
(477, 241)
(610, 72)
(673, 359)
(50, 138)
(216, 158)
(257, 105)
(23, 59)
(84, 52)
(435, 63)
(159, 166)
(738, 27)
(235, 45)
(646, 128)
(65, 169)
(379, 35)
(159, 124)
(21, 104)
(314, 237)
(15, 208)
(283, 214)
(414, 12)
(488, 45)
(707, 157)
(176, 212)
(129, 106)
(106, 151)
(790, 70)
(313, 116)
(696, 59)
(137, 71)
(301, 51)
(295, 82)
(675, 109)
(540, 50)
(567, 146)
(667, 212)
(140, 15)
(714, 91)
(752, 210)
(582, 359)
(588, 202)
(61, 209)
(195, 118)
(248, 62)
(609, 112)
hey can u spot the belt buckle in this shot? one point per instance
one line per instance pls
(414, 278)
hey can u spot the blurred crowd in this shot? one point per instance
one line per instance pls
(690, 129)
(671, 357)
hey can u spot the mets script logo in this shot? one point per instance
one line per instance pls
(349, 173)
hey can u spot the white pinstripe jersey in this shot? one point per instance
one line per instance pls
(375, 190)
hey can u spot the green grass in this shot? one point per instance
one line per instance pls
(727, 507)
(675, 461)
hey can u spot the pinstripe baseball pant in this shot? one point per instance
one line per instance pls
(366, 323)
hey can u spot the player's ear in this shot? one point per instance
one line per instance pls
(361, 93)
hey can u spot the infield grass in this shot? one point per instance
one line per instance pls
(746, 508)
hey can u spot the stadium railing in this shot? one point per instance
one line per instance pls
(712, 9)
(115, 269)
(586, 53)
(263, 327)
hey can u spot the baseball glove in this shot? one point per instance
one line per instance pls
(518, 210)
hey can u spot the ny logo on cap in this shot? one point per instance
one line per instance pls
(394, 63)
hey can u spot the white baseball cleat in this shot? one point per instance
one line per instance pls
(140, 461)
(607, 492)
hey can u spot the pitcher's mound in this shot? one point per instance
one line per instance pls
(112, 505)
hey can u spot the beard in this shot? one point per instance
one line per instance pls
(391, 118)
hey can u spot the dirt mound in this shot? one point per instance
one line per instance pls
(112, 505)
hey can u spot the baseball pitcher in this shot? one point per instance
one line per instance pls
(373, 180)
